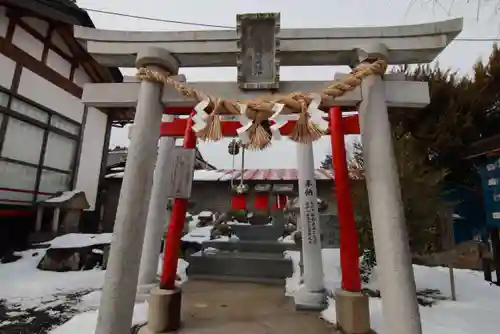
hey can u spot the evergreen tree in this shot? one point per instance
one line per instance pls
(462, 110)
(429, 145)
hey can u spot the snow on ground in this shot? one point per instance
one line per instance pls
(85, 323)
(26, 291)
(27, 287)
(475, 311)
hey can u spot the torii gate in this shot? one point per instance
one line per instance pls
(364, 47)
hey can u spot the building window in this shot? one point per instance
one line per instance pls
(60, 152)
(4, 99)
(29, 110)
(17, 183)
(61, 123)
(23, 141)
(52, 182)
(37, 153)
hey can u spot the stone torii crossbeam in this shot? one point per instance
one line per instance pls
(167, 51)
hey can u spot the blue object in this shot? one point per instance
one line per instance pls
(468, 215)
(490, 181)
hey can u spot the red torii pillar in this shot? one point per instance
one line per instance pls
(349, 249)
(178, 217)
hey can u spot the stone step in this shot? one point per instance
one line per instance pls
(252, 265)
(251, 246)
(257, 232)
(234, 278)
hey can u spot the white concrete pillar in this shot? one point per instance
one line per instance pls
(311, 294)
(396, 279)
(55, 220)
(120, 286)
(39, 217)
(157, 214)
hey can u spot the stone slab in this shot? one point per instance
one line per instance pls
(211, 307)
(249, 265)
(257, 64)
(419, 43)
(251, 246)
(309, 300)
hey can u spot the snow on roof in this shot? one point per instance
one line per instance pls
(118, 175)
(248, 174)
(65, 196)
(258, 174)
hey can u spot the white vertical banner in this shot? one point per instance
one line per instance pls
(309, 219)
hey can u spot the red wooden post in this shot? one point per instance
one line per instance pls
(349, 249)
(173, 237)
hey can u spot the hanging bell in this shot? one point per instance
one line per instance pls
(233, 147)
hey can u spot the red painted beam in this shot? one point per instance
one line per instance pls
(177, 127)
(186, 110)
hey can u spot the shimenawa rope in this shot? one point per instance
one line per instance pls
(259, 110)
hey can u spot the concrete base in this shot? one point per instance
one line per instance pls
(144, 291)
(309, 301)
(353, 314)
(164, 313)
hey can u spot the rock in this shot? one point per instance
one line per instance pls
(74, 259)
(221, 230)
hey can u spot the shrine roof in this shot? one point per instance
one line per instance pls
(257, 175)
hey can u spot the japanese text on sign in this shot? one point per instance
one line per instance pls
(308, 191)
(310, 214)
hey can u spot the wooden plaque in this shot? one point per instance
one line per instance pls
(258, 44)
(261, 188)
(181, 176)
(283, 188)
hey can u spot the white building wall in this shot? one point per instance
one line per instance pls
(91, 154)
(59, 64)
(81, 77)
(26, 42)
(48, 94)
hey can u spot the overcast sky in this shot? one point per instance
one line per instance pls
(460, 55)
